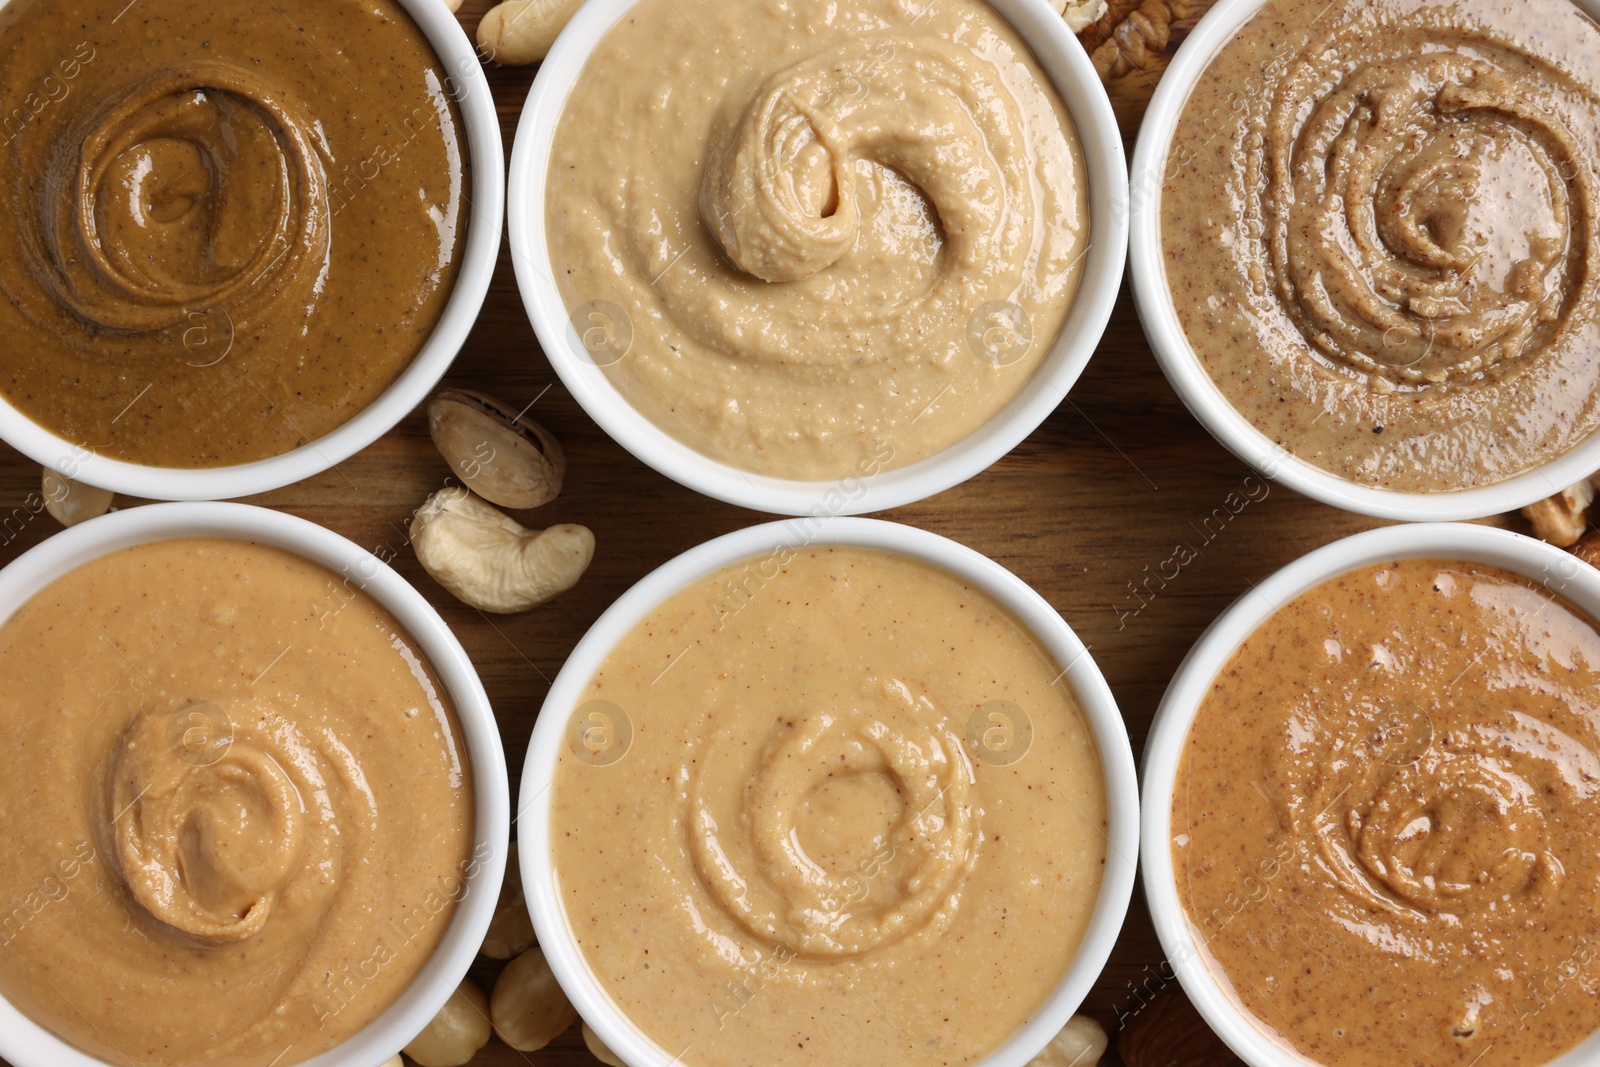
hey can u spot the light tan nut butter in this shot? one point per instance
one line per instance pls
(237, 801)
(819, 791)
(1380, 221)
(860, 238)
(1385, 820)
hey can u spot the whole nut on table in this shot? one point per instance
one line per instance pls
(528, 1008)
(519, 32)
(1080, 1043)
(70, 502)
(598, 1049)
(511, 929)
(496, 451)
(1562, 518)
(489, 560)
(456, 1034)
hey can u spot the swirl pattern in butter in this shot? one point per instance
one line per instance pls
(787, 817)
(1428, 216)
(232, 227)
(847, 248)
(1385, 826)
(1381, 231)
(241, 802)
(750, 854)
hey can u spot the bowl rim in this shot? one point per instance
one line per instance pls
(27, 1043)
(1105, 166)
(484, 199)
(1560, 572)
(1154, 302)
(1099, 707)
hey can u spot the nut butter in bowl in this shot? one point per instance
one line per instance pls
(246, 240)
(847, 793)
(1372, 807)
(1366, 238)
(772, 247)
(255, 798)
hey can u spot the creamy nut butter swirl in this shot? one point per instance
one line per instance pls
(843, 233)
(241, 814)
(1385, 821)
(1379, 225)
(234, 225)
(791, 841)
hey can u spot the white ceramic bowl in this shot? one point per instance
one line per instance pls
(1062, 58)
(486, 203)
(25, 1043)
(1195, 387)
(539, 879)
(1559, 571)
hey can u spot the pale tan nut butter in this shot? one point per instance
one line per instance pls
(239, 811)
(1379, 225)
(854, 229)
(1386, 821)
(829, 806)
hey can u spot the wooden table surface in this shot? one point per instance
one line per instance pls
(1091, 510)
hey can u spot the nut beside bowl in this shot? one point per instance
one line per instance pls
(26, 1043)
(1559, 571)
(536, 845)
(486, 198)
(1085, 97)
(1200, 394)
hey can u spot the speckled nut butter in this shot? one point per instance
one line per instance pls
(230, 226)
(800, 236)
(1386, 820)
(1379, 225)
(237, 806)
(829, 806)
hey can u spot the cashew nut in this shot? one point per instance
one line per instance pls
(511, 930)
(598, 1049)
(488, 560)
(504, 458)
(454, 6)
(70, 502)
(1080, 1043)
(456, 1034)
(528, 1008)
(1560, 519)
(519, 32)
(394, 1061)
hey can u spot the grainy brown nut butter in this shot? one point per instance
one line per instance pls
(1386, 821)
(230, 226)
(1380, 221)
(829, 806)
(238, 808)
(800, 236)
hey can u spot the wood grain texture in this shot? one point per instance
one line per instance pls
(1086, 510)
